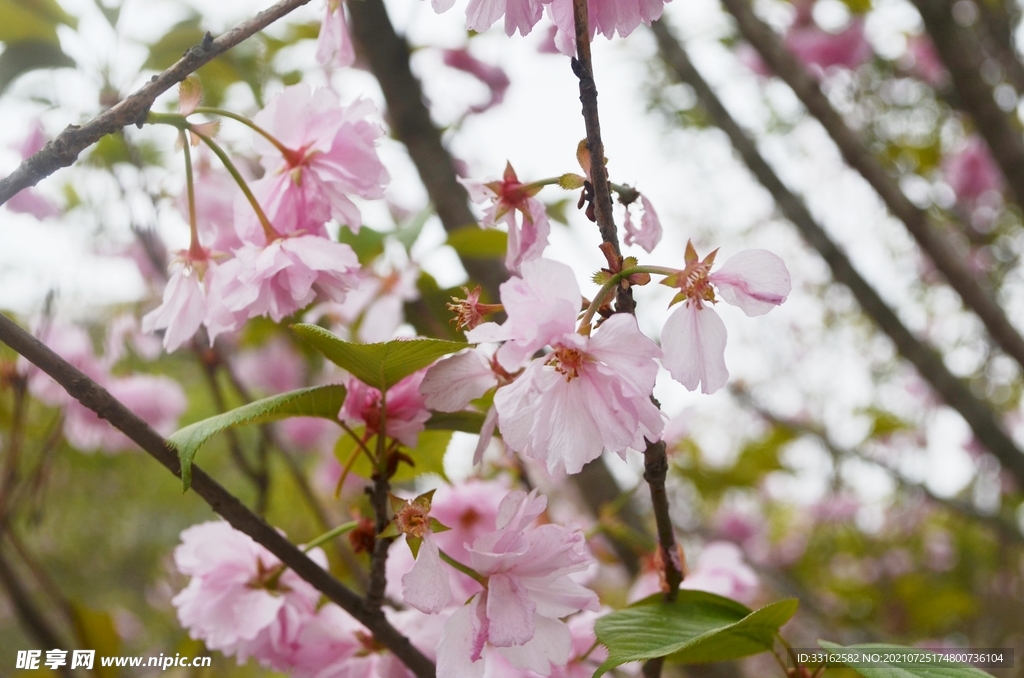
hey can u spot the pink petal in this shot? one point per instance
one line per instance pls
(334, 44)
(550, 646)
(426, 585)
(452, 383)
(510, 611)
(755, 280)
(693, 341)
(459, 644)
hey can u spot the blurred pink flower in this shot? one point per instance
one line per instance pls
(29, 200)
(971, 172)
(648, 234)
(405, 415)
(493, 77)
(720, 569)
(334, 44)
(240, 600)
(817, 47)
(927, 64)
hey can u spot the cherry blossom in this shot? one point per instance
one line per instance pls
(494, 78)
(184, 306)
(817, 47)
(520, 15)
(971, 172)
(334, 45)
(648, 233)
(405, 413)
(721, 569)
(529, 590)
(606, 17)
(324, 153)
(589, 393)
(277, 279)
(693, 338)
(241, 600)
(29, 200)
(528, 235)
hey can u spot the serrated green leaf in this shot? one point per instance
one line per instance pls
(901, 670)
(474, 242)
(378, 365)
(697, 628)
(465, 421)
(317, 401)
(19, 58)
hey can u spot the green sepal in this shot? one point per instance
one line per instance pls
(414, 544)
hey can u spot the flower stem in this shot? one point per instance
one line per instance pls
(612, 283)
(212, 110)
(344, 528)
(464, 569)
(195, 249)
(268, 229)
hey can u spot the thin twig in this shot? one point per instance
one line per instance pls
(63, 150)
(947, 259)
(96, 398)
(929, 363)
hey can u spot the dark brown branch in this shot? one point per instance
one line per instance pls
(97, 399)
(388, 56)
(962, 53)
(947, 260)
(929, 364)
(655, 457)
(64, 149)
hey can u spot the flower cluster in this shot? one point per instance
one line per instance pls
(274, 257)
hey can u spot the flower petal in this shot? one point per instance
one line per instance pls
(693, 341)
(755, 280)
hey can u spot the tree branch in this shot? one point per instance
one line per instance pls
(947, 260)
(929, 364)
(97, 399)
(388, 56)
(962, 53)
(64, 149)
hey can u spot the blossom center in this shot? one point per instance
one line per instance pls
(412, 520)
(567, 361)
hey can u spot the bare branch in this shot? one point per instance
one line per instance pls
(64, 149)
(947, 260)
(929, 364)
(97, 399)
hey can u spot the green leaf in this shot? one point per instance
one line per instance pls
(368, 244)
(378, 365)
(95, 629)
(428, 455)
(21, 57)
(32, 21)
(465, 421)
(902, 670)
(317, 401)
(410, 231)
(697, 628)
(474, 242)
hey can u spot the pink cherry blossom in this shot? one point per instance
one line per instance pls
(520, 15)
(589, 395)
(494, 78)
(693, 338)
(606, 17)
(721, 569)
(215, 193)
(817, 47)
(239, 599)
(527, 235)
(184, 306)
(278, 279)
(29, 200)
(452, 383)
(529, 590)
(405, 414)
(971, 172)
(327, 153)
(334, 45)
(648, 234)
(274, 367)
